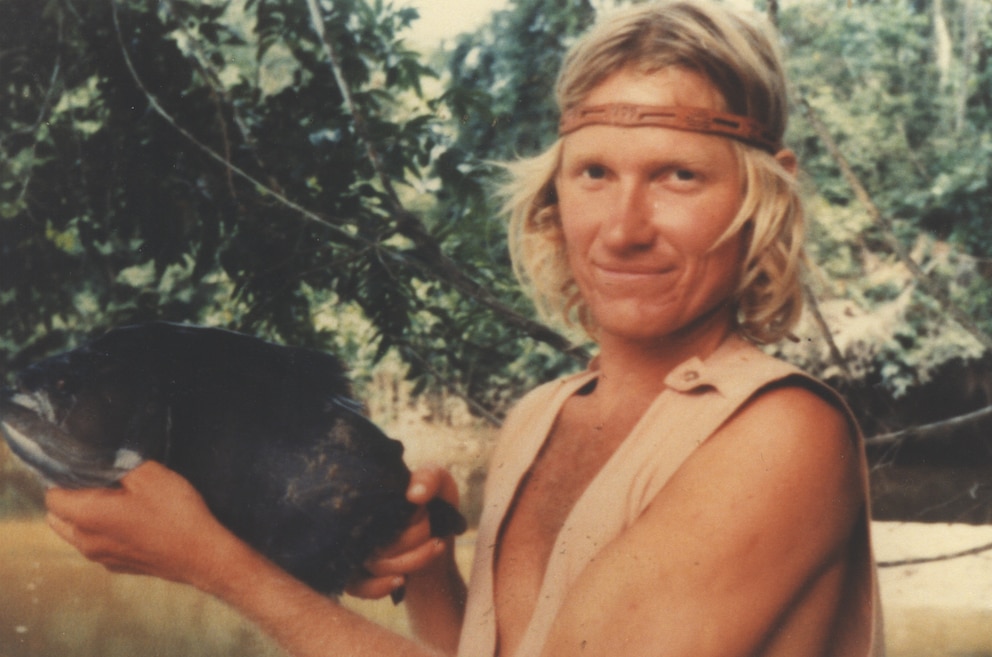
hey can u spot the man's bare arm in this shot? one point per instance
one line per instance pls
(755, 524)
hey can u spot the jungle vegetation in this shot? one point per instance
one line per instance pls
(299, 170)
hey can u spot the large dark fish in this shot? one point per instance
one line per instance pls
(269, 435)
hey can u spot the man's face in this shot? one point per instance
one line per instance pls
(642, 207)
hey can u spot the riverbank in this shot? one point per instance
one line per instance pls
(54, 602)
(939, 608)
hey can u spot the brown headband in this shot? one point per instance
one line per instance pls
(694, 119)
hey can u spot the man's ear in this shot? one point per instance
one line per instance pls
(787, 158)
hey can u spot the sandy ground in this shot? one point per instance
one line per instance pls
(51, 599)
(941, 608)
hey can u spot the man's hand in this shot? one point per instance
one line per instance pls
(155, 523)
(415, 549)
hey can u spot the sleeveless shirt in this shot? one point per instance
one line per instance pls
(699, 396)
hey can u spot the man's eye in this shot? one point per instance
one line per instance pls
(684, 175)
(595, 172)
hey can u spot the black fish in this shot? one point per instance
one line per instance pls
(269, 435)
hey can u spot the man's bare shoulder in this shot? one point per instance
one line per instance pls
(797, 417)
(795, 448)
(753, 529)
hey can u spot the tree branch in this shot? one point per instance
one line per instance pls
(218, 94)
(930, 431)
(45, 108)
(453, 388)
(821, 323)
(942, 557)
(344, 236)
(432, 265)
(925, 281)
(349, 100)
(439, 265)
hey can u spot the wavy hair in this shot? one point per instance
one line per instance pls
(739, 57)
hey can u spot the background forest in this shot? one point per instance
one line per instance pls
(298, 170)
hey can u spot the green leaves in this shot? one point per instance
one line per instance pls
(871, 74)
(202, 161)
(219, 163)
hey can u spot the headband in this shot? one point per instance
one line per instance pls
(693, 119)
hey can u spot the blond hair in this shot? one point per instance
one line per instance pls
(741, 61)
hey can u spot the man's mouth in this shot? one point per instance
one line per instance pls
(621, 275)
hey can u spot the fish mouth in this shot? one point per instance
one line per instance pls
(26, 423)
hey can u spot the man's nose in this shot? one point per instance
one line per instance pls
(630, 224)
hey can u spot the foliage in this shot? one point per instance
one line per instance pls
(505, 74)
(209, 162)
(915, 130)
(219, 162)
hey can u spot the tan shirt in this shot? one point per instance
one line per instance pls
(699, 397)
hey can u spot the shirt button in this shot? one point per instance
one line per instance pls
(690, 375)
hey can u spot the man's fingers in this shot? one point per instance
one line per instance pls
(72, 504)
(406, 562)
(429, 482)
(71, 511)
(416, 534)
(152, 474)
(374, 588)
(65, 530)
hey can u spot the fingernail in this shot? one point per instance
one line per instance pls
(398, 581)
(418, 490)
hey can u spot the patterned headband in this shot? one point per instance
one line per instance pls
(694, 119)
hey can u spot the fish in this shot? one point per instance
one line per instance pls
(270, 435)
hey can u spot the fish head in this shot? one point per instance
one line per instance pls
(83, 418)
